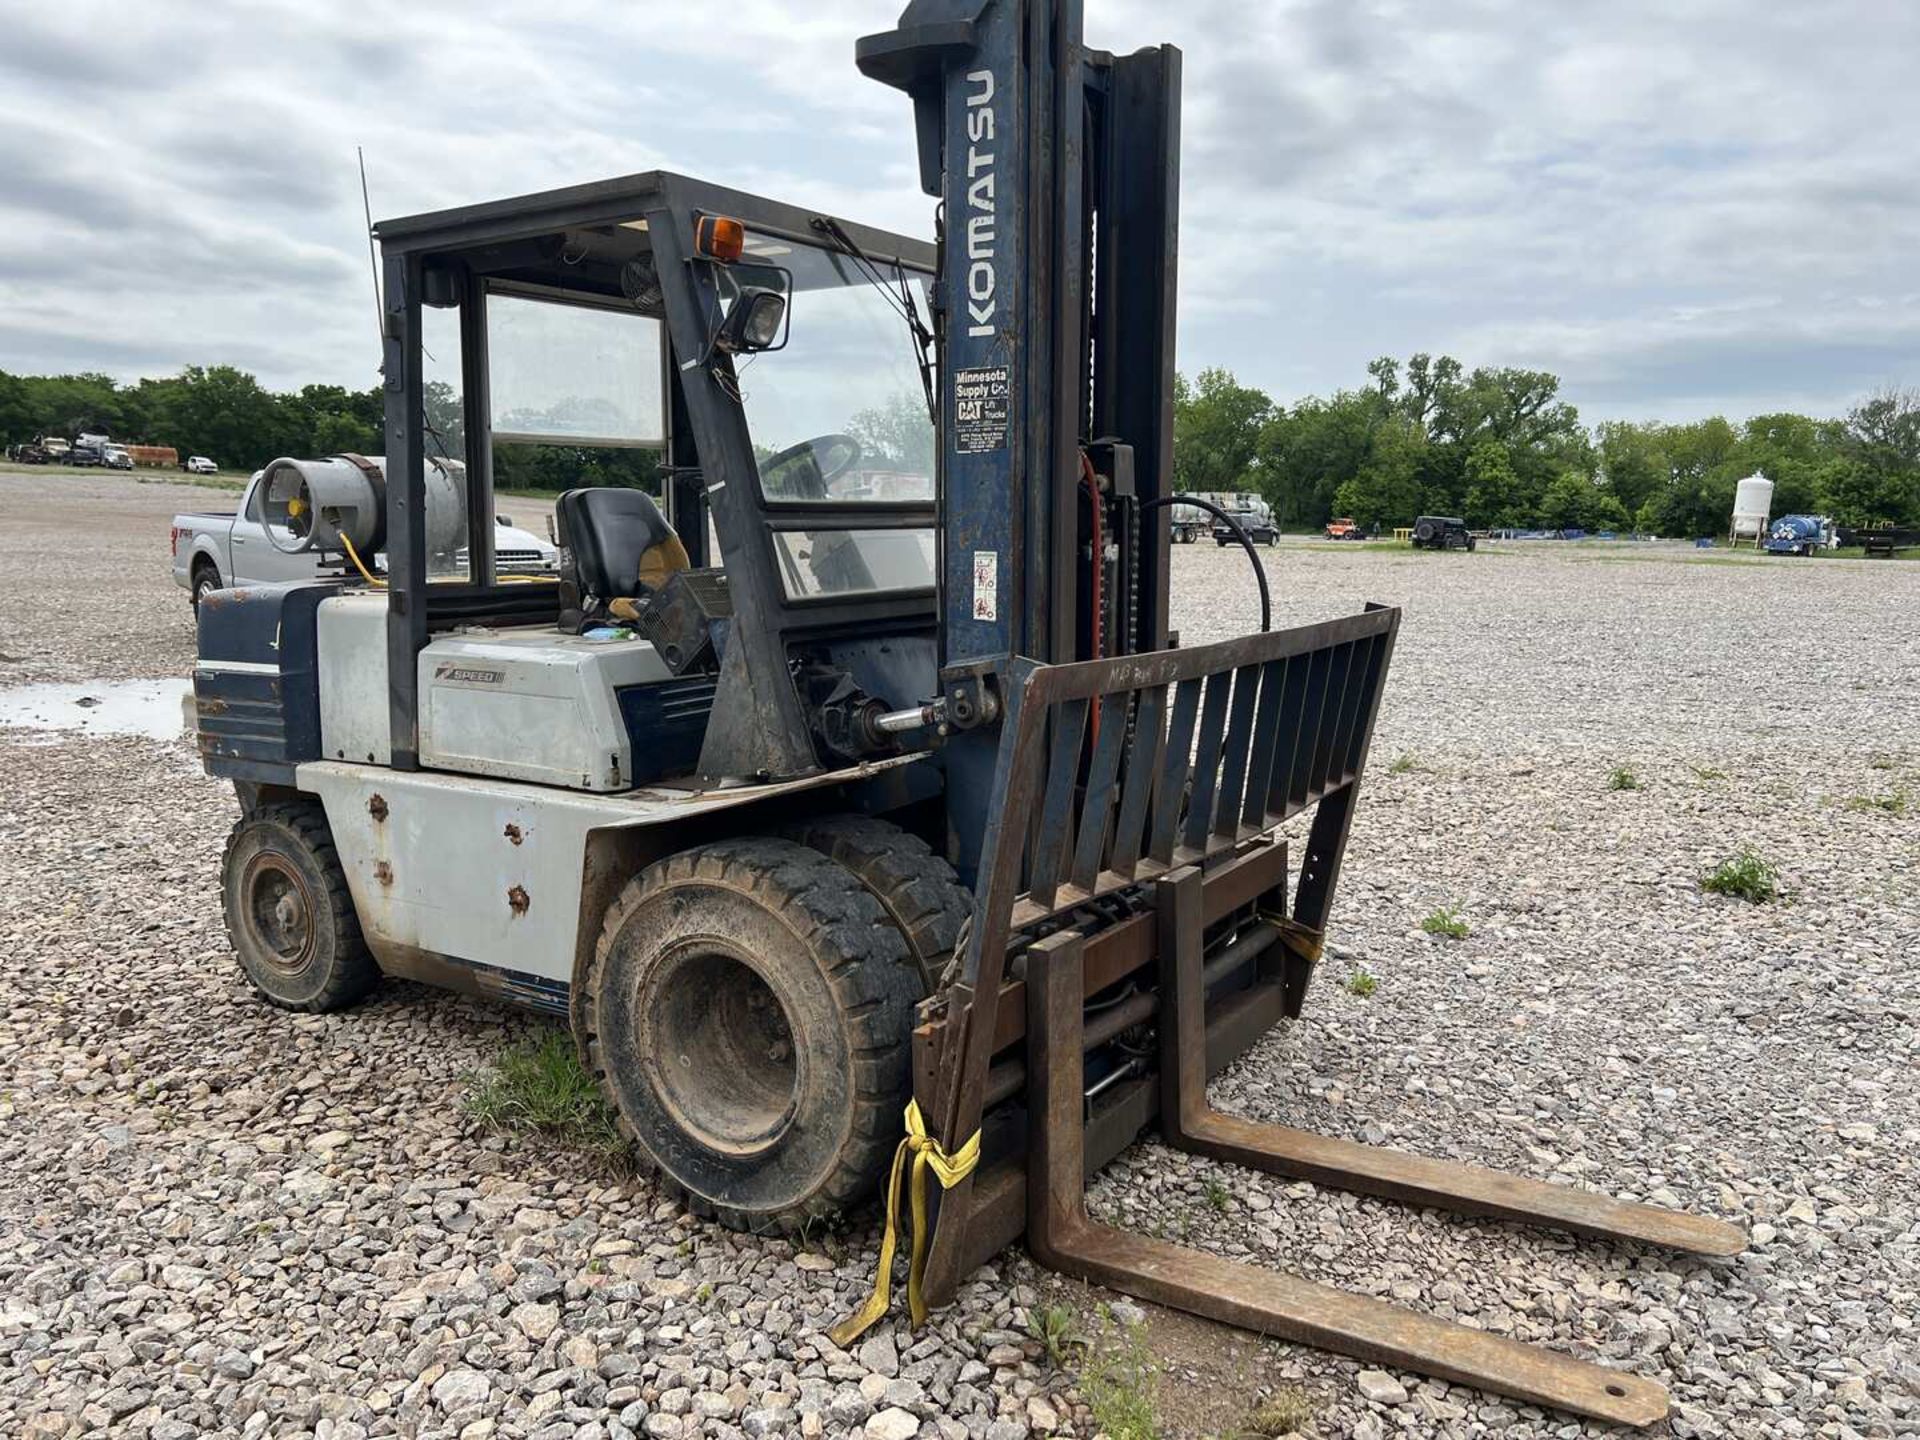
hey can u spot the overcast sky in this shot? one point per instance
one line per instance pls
(1679, 208)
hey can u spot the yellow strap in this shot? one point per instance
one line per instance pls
(949, 1170)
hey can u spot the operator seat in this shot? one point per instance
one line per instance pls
(621, 544)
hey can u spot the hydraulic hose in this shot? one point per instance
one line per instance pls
(1259, 570)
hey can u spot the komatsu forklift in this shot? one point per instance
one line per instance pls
(854, 784)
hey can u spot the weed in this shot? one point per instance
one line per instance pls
(1217, 1196)
(1362, 983)
(1895, 803)
(704, 1293)
(1708, 772)
(818, 1233)
(1120, 1384)
(1057, 1327)
(1446, 921)
(1403, 764)
(1285, 1412)
(1621, 778)
(1882, 762)
(540, 1088)
(1745, 877)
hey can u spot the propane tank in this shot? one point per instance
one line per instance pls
(322, 505)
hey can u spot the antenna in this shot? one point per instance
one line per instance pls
(373, 260)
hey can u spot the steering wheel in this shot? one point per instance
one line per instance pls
(811, 474)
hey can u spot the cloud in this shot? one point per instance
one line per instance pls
(1674, 207)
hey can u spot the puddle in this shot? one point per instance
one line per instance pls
(153, 709)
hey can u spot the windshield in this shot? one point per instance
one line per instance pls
(838, 415)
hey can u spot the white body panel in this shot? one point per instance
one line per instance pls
(352, 643)
(532, 704)
(526, 703)
(489, 875)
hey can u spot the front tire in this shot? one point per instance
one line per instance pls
(749, 1014)
(290, 914)
(917, 888)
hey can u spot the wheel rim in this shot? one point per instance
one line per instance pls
(204, 588)
(278, 911)
(718, 1048)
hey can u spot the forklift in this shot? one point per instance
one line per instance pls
(857, 782)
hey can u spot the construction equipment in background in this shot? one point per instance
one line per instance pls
(1880, 542)
(1801, 535)
(863, 777)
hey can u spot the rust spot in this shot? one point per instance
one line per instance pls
(517, 900)
(377, 808)
(209, 705)
(512, 833)
(383, 872)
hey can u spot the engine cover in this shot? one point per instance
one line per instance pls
(534, 705)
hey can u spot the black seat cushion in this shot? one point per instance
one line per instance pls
(610, 530)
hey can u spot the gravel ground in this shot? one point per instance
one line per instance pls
(216, 1218)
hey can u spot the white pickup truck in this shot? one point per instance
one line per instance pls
(219, 551)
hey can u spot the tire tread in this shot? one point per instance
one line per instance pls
(835, 914)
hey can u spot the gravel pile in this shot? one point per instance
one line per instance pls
(220, 1219)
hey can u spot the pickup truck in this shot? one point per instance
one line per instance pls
(219, 551)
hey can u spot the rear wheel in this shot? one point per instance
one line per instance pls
(748, 1012)
(289, 912)
(206, 580)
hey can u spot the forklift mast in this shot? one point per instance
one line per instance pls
(1115, 804)
(1057, 172)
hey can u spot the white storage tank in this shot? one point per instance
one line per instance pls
(1752, 504)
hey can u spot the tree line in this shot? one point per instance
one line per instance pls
(1495, 445)
(225, 413)
(1499, 447)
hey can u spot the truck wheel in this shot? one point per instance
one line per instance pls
(748, 1011)
(289, 912)
(917, 888)
(206, 579)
